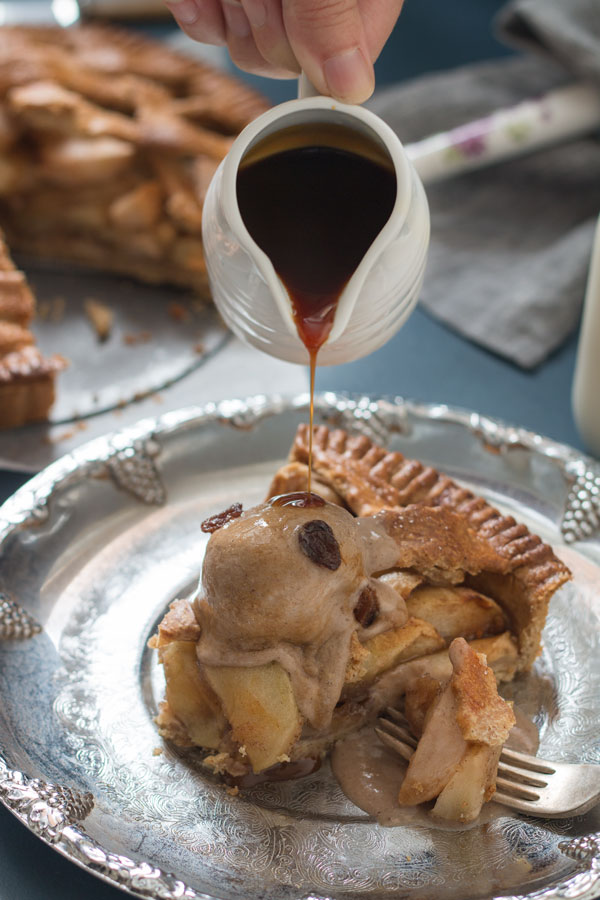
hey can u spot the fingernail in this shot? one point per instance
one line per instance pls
(349, 76)
(185, 11)
(256, 10)
(236, 19)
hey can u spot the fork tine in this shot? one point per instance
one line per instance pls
(394, 744)
(523, 806)
(520, 776)
(398, 732)
(515, 790)
(395, 714)
(533, 763)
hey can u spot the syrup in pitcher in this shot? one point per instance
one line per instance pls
(314, 198)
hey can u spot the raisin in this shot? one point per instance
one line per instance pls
(319, 543)
(213, 523)
(367, 608)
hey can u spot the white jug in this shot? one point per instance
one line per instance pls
(384, 288)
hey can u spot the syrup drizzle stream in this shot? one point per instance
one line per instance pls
(313, 340)
(313, 368)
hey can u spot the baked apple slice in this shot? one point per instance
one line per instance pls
(259, 705)
(456, 759)
(189, 698)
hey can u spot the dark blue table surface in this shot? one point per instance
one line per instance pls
(424, 361)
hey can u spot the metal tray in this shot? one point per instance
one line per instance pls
(159, 335)
(95, 547)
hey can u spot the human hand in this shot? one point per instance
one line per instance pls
(335, 42)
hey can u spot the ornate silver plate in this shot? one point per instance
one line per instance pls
(95, 547)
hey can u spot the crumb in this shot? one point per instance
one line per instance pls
(142, 337)
(66, 435)
(217, 762)
(51, 310)
(233, 791)
(178, 311)
(101, 317)
(199, 348)
(283, 758)
(158, 751)
(408, 858)
(242, 751)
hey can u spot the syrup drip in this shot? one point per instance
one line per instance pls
(301, 499)
(311, 424)
(314, 199)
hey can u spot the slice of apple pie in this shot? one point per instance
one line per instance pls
(314, 614)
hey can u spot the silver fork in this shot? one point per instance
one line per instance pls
(526, 783)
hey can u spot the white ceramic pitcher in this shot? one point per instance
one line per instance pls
(381, 293)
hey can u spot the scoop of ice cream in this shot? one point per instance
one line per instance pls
(281, 583)
(272, 575)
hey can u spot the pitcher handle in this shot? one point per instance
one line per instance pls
(306, 88)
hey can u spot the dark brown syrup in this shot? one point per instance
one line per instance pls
(314, 198)
(301, 499)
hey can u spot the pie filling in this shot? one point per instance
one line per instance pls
(399, 588)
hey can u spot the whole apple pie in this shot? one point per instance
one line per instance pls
(393, 586)
(108, 141)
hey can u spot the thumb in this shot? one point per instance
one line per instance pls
(329, 42)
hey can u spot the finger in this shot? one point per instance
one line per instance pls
(202, 20)
(266, 22)
(242, 46)
(329, 42)
(379, 18)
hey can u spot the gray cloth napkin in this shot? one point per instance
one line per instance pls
(565, 30)
(510, 244)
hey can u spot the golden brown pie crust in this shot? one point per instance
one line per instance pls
(26, 377)
(369, 478)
